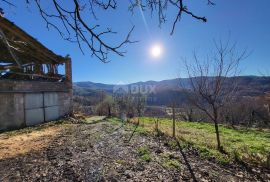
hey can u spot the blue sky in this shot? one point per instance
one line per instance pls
(245, 21)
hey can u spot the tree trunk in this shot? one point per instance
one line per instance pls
(190, 118)
(156, 125)
(173, 109)
(217, 135)
(252, 119)
(109, 111)
(215, 118)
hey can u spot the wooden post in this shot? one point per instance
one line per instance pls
(156, 127)
(173, 110)
(68, 70)
(68, 81)
(268, 161)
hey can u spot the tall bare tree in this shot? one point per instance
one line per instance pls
(75, 20)
(213, 81)
(139, 102)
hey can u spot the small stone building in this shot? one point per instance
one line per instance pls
(31, 89)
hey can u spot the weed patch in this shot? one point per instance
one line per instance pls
(170, 162)
(144, 154)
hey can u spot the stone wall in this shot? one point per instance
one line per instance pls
(27, 103)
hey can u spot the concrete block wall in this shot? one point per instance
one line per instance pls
(25, 103)
(11, 111)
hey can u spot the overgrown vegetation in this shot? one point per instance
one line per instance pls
(144, 154)
(168, 161)
(247, 145)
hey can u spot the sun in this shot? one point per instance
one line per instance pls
(156, 50)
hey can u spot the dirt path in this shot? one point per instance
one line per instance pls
(100, 152)
(94, 119)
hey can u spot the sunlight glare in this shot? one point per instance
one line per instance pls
(156, 50)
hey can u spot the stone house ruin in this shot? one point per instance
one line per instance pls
(31, 89)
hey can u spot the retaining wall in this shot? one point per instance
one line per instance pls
(27, 103)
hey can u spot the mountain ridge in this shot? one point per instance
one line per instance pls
(245, 83)
(249, 86)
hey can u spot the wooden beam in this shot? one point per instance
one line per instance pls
(28, 49)
(9, 48)
(37, 75)
(23, 36)
(27, 56)
(31, 51)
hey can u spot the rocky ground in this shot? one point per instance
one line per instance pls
(101, 152)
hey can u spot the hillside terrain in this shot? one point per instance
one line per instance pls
(248, 86)
(98, 149)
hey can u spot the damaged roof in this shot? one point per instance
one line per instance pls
(19, 48)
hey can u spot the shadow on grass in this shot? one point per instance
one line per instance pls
(132, 134)
(186, 160)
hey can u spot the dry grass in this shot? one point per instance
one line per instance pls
(94, 119)
(28, 140)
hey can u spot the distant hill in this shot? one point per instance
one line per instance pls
(248, 86)
(159, 85)
(93, 86)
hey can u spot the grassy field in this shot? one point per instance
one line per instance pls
(248, 145)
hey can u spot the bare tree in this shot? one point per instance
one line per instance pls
(106, 106)
(123, 103)
(71, 20)
(213, 82)
(161, 6)
(139, 101)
